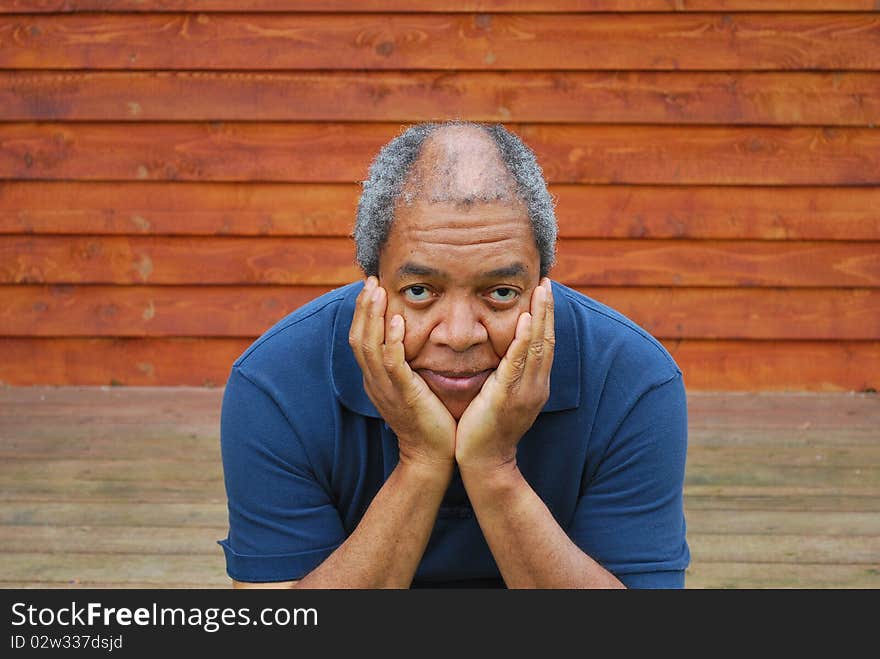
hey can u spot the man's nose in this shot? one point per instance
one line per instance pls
(459, 327)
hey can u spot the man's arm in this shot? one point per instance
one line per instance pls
(387, 545)
(529, 546)
(385, 548)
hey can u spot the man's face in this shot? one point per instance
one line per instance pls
(460, 276)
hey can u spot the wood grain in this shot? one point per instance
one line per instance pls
(765, 575)
(248, 311)
(438, 6)
(778, 365)
(708, 365)
(109, 362)
(337, 152)
(330, 262)
(618, 97)
(583, 211)
(721, 42)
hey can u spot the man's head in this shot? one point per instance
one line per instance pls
(456, 222)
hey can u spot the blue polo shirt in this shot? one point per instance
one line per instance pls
(305, 451)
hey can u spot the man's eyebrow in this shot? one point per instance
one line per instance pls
(414, 269)
(513, 270)
(417, 270)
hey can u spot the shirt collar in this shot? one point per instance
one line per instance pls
(565, 377)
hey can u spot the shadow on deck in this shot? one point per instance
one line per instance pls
(107, 487)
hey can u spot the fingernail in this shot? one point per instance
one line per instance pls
(371, 283)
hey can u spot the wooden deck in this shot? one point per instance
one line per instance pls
(122, 487)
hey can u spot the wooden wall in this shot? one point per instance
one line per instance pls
(176, 175)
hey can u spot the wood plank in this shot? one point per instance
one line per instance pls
(334, 152)
(773, 523)
(101, 480)
(330, 262)
(36, 6)
(805, 435)
(707, 365)
(159, 208)
(99, 440)
(753, 41)
(112, 539)
(111, 584)
(179, 405)
(90, 570)
(784, 549)
(780, 575)
(693, 313)
(700, 498)
(247, 311)
(197, 209)
(146, 362)
(822, 479)
(621, 97)
(773, 412)
(188, 515)
(705, 547)
(122, 479)
(778, 365)
(244, 311)
(718, 458)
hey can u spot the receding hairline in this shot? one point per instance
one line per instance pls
(460, 163)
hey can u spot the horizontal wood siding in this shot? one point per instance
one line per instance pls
(176, 176)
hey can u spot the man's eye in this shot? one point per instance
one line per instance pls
(504, 294)
(417, 293)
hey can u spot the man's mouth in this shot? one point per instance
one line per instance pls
(455, 382)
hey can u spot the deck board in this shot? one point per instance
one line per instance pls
(781, 490)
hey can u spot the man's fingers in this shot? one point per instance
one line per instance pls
(374, 330)
(536, 346)
(394, 358)
(510, 370)
(358, 321)
(549, 333)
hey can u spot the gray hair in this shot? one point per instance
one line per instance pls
(391, 167)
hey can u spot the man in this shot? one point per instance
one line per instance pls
(468, 423)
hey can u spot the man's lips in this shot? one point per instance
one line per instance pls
(452, 382)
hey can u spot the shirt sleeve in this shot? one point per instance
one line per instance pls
(630, 516)
(282, 523)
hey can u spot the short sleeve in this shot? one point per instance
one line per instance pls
(282, 523)
(630, 515)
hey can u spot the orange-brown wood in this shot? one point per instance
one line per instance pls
(330, 261)
(436, 5)
(778, 365)
(769, 98)
(197, 311)
(155, 208)
(248, 311)
(707, 365)
(342, 152)
(146, 362)
(256, 209)
(662, 41)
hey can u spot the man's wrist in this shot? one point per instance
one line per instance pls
(491, 479)
(427, 472)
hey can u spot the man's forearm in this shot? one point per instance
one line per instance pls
(529, 546)
(388, 543)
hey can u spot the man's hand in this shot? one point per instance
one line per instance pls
(424, 427)
(513, 395)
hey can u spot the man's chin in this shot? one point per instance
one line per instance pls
(456, 408)
(456, 404)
